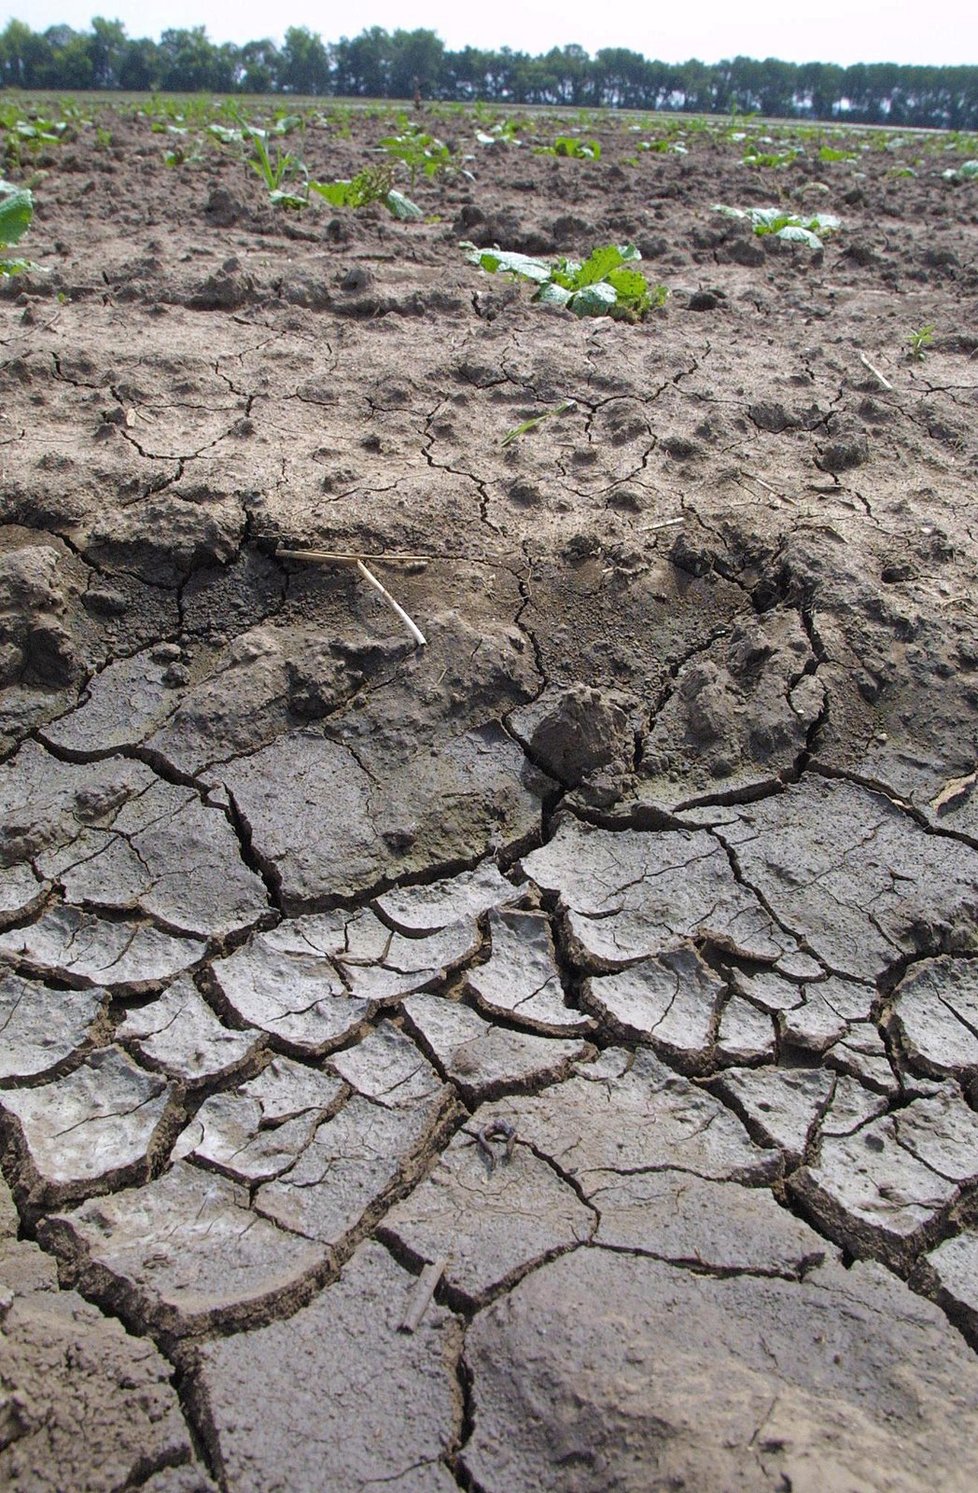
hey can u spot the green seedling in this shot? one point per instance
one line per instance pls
(967, 171)
(531, 424)
(371, 185)
(796, 228)
(772, 158)
(419, 152)
(569, 145)
(829, 153)
(603, 285)
(273, 171)
(16, 212)
(919, 341)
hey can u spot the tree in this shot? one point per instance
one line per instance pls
(303, 63)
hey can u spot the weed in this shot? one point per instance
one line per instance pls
(419, 153)
(603, 285)
(531, 424)
(569, 145)
(794, 227)
(374, 184)
(16, 212)
(919, 341)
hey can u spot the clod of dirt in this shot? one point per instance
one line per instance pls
(577, 733)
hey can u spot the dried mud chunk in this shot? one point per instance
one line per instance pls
(645, 1375)
(390, 1406)
(179, 1033)
(126, 701)
(352, 1162)
(22, 893)
(461, 799)
(781, 1105)
(46, 803)
(87, 1406)
(165, 854)
(843, 866)
(94, 1127)
(631, 895)
(184, 1253)
(575, 733)
(493, 1225)
(745, 1034)
(671, 1001)
(388, 1068)
(297, 997)
(951, 1274)
(935, 1016)
(83, 949)
(481, 1058)
(844, 454)
(883, 1190)
(429, 907)
(40, 583)
(637, 1116)
(739, 715)
(520, 980)
(165, 538)
(41, 1027)
(376, 963)
(257, 1131)
(719, 1225)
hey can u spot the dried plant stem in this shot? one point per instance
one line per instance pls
(339, 557)
(423, 1290)
(395, 607)
(875, 371)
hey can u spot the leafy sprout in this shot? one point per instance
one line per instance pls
(569, 145)
(604, 284)
(16, 212)
(797, 228)
(534, 421)
(419, 152)
(371, 185)
(919, 341)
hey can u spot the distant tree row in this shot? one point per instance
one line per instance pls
(381, 64)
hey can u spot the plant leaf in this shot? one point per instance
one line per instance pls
(16, 212)
(402, 207)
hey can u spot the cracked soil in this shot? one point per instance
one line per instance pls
(616, 952)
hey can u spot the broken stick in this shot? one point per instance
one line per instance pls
(395, 607)
(424, 1288)
(330, 557)
(875, 371)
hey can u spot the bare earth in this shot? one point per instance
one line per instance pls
(656, 868)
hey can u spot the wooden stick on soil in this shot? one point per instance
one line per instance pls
(875, 371)
(424, 1288)
(395, 607)
(328, 557)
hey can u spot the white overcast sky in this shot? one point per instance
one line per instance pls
(844, 31)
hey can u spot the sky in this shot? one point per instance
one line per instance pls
(843, 31)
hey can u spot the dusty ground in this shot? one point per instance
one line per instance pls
(660, 860)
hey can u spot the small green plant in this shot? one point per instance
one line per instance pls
(420, 153)
(569, 145)
(604, 284)
(967, 171)
(797, 228)
(772, 158)
(371, 185)
(16, 212)
(534, 421)
(274, 170)
(919, 341)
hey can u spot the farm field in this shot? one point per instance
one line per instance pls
(544, 1057)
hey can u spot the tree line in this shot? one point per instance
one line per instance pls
(382, 64)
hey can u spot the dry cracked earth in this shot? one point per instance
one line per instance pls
(616, 953)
